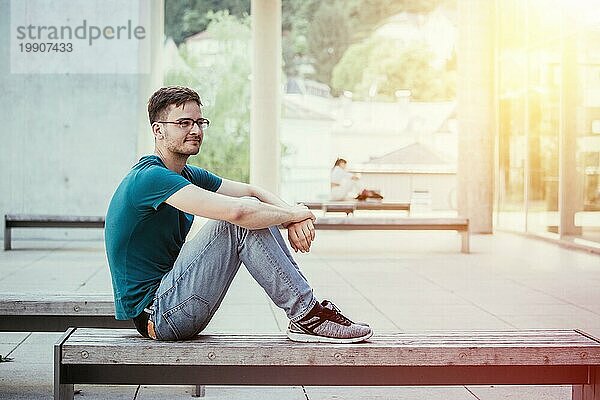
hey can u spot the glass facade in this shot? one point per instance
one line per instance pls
(548, 143)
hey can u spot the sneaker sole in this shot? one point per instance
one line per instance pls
(307, 338)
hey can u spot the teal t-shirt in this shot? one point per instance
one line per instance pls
(143, 234)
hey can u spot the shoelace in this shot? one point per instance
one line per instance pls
(333, 306)
(335, 316)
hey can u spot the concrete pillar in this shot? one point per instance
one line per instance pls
(266, 94)
(85, 128)
(149, 83)
(569, 181)
(476, 113)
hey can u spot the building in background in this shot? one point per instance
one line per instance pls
(385, 142)
(412, 168)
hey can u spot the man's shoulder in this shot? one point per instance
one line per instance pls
(149, 168)
(202, 177)
(195, 173)
(147, 179)
(148, 162)
(194, 168)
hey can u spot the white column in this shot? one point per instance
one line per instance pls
(570, 191)
(266, 94)
(476, 113)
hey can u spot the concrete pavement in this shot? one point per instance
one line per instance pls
(396, 281)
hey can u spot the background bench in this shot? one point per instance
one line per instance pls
(349, 207)
(531, 357)
(47, 221)
(461, 225)
(55, 313)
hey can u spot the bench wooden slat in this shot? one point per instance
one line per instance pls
(90, 346)
(374, 223)
(52, 217)
(238, 342)
(461, 225)
(404, 339)
(541, 339)
(350, 206)
(57, 305)
(53, 221)
(552, 357)
(56, 313)
(530, 335)
(47, 221)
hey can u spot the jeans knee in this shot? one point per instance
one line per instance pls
(235, 231)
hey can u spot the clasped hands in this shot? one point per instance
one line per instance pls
(301, 233)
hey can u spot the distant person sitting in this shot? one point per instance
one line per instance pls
(344, 187)
(343, 183)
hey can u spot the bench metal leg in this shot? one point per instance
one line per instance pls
(464, 236)
(62, 390)
(199, 391)
(7, 232)
(590, 391)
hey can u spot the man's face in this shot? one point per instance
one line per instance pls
(176, 139)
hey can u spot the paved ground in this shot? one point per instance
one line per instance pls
(394, 280)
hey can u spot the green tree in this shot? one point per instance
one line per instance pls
(392, 70)
(184, 18)
(379, 65)
(295, 15)
(348, 73)
(224, 87)
(367, 14)
(324, 29)
(328, 38)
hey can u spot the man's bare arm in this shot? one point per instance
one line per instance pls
(243, 212)
(239, 189)
(300, 234)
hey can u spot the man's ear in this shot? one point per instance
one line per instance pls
(156, 131)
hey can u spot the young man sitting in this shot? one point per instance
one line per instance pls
(172, 288)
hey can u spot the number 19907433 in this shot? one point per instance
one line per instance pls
(46, 47)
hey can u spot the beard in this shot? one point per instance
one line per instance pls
(187, 148)
(191, 148)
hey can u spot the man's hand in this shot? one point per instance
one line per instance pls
(299, 213)
(301, 234)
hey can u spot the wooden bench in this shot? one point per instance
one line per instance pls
(47, 221)
(530, 357)
(56, 313)
(349, 207)
(461, 225)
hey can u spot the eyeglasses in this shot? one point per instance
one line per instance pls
(187, 123)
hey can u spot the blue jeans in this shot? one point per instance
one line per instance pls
(189, 295)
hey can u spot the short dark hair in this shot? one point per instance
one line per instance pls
(161, 100)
